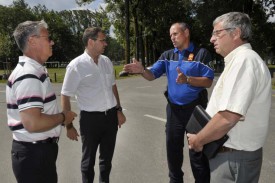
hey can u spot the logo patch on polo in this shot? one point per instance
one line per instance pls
(190, 57)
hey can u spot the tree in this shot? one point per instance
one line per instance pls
(6, 45)
(10, 17)
(145, 33)
(114, 50)
(255, 9)
(127, 32)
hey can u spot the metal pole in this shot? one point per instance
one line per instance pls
(55, 77)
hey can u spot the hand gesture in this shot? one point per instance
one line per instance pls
(134, 68)
(181, 79)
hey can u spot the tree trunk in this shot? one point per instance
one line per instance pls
(127, 32)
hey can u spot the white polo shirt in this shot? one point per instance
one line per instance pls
(244, 87)
(29, 86)
(90, 83)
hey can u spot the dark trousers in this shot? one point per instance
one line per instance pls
(33, 163)
(97, 129)
(177, 119)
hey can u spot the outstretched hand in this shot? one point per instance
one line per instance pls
(181, 79)
(134, 68)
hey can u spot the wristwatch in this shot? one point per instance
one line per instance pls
(188, 79)
(119, 108)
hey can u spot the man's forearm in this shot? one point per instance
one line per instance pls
(218, 126)
(199, 81)
(147, 74)
(65, 103)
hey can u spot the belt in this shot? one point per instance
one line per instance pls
(50, 140)
(101, 112)
(191, 104)
(224, 149)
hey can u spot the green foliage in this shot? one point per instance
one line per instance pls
(150, 21)
(114, 50)
(83, 2)
(66, 29)
(9, 19)
(5, 45)
(155, 17)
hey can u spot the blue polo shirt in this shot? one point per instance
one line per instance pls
(190, 62)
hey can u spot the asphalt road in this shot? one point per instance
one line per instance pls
(140, 155)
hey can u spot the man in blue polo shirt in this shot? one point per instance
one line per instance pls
(187, 78)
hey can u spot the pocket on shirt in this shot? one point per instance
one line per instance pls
(89, 80)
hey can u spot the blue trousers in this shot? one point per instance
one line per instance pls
(177, 118)
(97, 129)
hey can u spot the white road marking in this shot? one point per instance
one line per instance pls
(144, 87)
(154, 117)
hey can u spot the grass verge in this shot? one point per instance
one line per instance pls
(57, 74)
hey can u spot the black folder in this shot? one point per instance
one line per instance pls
(197, 121)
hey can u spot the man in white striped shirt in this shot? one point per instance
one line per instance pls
(33, 115)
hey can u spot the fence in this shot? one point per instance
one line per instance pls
(56, 64)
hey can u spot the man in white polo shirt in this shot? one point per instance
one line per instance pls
(239, 105)
(33, 115)
(90, 78)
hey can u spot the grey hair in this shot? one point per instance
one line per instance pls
(26, 29)
(236, 20)
(91, 33)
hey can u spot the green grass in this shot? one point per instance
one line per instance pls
(271, 66)
(57, 74)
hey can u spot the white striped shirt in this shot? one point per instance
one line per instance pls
(28, 87)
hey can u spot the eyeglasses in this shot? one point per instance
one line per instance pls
(217, 33)
(49, 38)
(101, 40)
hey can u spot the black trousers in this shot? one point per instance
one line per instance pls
(97, 129)
(177, 119)
(33, 163)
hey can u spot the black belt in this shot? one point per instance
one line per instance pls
(191, 104)
(224, 149)
(50, 140)
(101, 112)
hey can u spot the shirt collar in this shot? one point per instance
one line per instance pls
(230, 56)
(90, 58)
(190, 48)
(27, 59)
